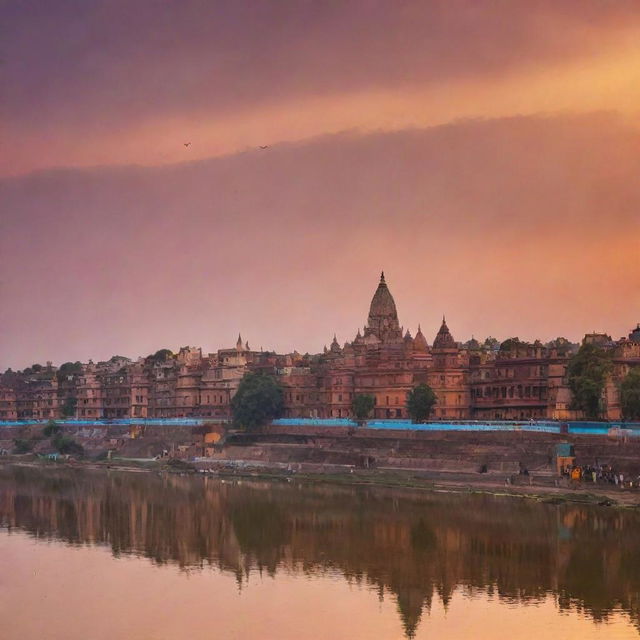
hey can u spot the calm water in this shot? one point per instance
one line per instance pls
(91, 555)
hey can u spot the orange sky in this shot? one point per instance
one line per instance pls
(485, 154)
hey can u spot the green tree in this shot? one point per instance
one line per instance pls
(563, 345)
(630, 395)
(69, 407)
(51, 429)
(162, 355)
(363, 404)
(420, 402)
(587, 374)
(68, 369)
(65, 444)
(258, 400)
(22, 446)
(491, 343)
(511, 344)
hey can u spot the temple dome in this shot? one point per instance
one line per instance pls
(444, 339)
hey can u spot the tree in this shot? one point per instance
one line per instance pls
(363, 404)
(68, 369)
(259, 399)
(491, 343)
(69, 407)
(420, 402)
(51, 429)
(630, 395)
(511, 344)
(162, 355)
(562, 345)
(587, 374)
(65, 444)
(22, 446)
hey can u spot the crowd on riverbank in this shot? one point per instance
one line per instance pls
(601, 474)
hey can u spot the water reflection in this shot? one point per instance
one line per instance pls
(417, 546)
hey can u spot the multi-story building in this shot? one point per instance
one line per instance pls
(514, 380)
(7, 403)
(88, 394)
(517, 381)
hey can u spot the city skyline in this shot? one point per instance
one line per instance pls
(343, 340)
(511, 380)
(202, 168)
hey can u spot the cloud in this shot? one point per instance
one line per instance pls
(515, 226)
(118, 82)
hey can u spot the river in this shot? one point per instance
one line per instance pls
(117, 555)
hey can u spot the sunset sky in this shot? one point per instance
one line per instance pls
(485, 154)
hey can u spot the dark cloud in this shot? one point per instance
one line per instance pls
(99, 63)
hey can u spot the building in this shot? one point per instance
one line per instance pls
(515, 380)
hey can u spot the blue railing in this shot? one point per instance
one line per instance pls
(544, 426)
(169, 422)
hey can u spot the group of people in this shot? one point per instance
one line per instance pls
(600, 474)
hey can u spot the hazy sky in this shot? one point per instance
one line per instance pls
(486, 155)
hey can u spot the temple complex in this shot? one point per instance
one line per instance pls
(514, 380)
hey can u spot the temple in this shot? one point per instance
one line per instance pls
(514, 380)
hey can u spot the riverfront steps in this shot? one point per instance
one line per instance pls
(453, 451)
(500, 452)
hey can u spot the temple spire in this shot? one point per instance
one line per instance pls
(444, 339)
(383, 317)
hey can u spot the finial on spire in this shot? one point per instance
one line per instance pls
(382, 277)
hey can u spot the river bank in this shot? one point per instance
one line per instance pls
(528, 487)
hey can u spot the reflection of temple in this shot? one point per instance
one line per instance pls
(512, 380)
(416, 547)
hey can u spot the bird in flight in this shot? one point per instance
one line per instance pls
(186, 144)
(266, 146)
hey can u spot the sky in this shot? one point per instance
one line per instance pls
(485, 154)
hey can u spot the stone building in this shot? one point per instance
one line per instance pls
(7, 403)
(518, 381)
(90, 402)
(514, 380)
